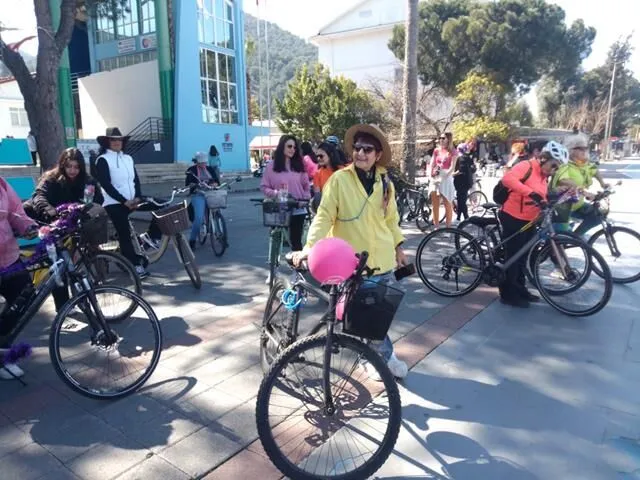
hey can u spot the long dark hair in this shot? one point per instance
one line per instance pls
(332, 152)
(279, 160)
(213, 151)
(307, 149)
(57, 174)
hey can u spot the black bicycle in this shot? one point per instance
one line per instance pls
(319, 413)
(94, 349)
(565, 269)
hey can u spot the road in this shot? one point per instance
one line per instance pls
(494, 393)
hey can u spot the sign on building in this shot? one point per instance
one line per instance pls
(127, 45)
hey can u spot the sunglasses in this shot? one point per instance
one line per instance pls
(321, 155)
(290, 146)
(367, 149)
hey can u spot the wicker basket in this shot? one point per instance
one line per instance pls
(216, 198)
(276, 214)
(370, 310)
(173, 219)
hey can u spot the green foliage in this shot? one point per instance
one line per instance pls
(317, 105)
(287, 53)
(515, 41)
(482, 127)
(581, 100)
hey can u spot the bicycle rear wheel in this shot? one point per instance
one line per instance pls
(578, 283)
(423, 215)
(99, 359)
(303, 438)
(446, 269)
(218, 233)
(188, 259)
(475, 200)
(620, 247)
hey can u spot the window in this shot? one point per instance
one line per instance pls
(18, 117)
(112, 63)
(218, 87)
(138, 17)
(215, 23)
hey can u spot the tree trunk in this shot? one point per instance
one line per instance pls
(410, 92)
(40, 93)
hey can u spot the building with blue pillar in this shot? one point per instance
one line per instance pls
(208, 88)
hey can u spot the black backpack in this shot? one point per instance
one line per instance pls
(501, 193)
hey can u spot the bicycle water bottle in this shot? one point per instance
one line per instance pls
(53, 256)
(283, 193)
(89, 192)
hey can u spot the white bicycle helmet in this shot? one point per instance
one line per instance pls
(557, 151)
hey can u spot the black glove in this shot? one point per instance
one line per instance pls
(537, 198)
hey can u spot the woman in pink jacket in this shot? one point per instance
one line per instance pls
(287, 173)
(12, 219)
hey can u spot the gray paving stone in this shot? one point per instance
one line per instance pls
(200, 452)
(164, 431)
(108, 461)
(154, 468)
(240, 422)
(225, 367)
(12, 439)
(131, 412)
(243, 385)
(31, 462)
(208, 406)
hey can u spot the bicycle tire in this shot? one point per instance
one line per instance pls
(124, 265)
(205, 228)
(604, 273)
(480, 199)
(613, 230)
(67, 377)
(218, 234)
(275, 249)
(423, 215)
(188, 259)
(537, 248)
(274, 300)
(296, 353)
(459, 262)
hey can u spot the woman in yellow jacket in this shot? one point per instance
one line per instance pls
(358, 205)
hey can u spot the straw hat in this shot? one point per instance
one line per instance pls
(112, 133)
(374, 131)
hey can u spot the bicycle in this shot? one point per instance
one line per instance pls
(276, 215)
(610, 239)
(475, 200)
(319, 382)
(214, 226)
(486, 264)
(172, 220)
(104, 332)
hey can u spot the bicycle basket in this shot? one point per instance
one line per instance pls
(216, 198)
(172, 220)
(370, 310)
(275, 214)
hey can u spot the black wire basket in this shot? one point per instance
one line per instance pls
(276, 214)
(370, 308)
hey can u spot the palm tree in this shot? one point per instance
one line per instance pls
(410, 92)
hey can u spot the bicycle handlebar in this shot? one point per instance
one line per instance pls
(174, 192)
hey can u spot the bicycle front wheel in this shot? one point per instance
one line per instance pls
(218, 233)
(475, 200)
(206, 228)
(276, 322)
(188, 259)
(572, 277)
(450, 262)
(307, 439)
(620, 247)
(104, 360)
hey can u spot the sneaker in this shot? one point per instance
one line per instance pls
(528, 296)
(398, 369)
(10, 371)
(142, 272)
(518, 302)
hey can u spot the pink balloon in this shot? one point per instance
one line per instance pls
(332, 260)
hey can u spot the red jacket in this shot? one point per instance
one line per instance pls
(517, 203)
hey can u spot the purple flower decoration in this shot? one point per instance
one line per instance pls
(16, 352)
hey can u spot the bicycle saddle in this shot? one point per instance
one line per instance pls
(483, 221)
(490, 205)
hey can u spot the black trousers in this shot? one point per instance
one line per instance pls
(515, 282)
(11, 288)
(296, 228)
(119, 215)
(462, 193)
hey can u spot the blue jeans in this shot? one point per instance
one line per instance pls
(198, 202)
(383, 347)
(586, 213)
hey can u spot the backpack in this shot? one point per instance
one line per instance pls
(501, 193)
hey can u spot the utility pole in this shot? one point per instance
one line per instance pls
(410, 92)
(609, 121)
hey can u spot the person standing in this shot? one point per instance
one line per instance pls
(196, 174)
(309, 159)
(33, 147)
(215, 161)
(443, 164)
(463, 176)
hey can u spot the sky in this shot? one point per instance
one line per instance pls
(611, 18)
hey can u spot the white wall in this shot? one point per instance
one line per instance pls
(368, 14)
(360, 57)
(120, 98)
(10, 97)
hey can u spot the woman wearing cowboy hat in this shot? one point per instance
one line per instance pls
(358, 205)
(120, 184)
